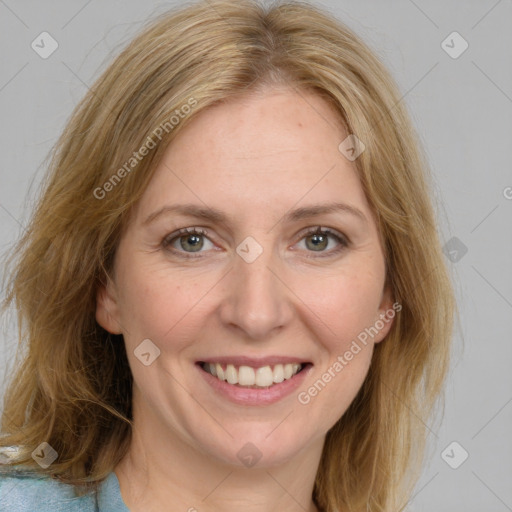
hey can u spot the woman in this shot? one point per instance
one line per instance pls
(232, 289)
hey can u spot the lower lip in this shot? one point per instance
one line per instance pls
(253, 396)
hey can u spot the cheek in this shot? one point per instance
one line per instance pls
(342, 310)
(156, 304)
(344, 304)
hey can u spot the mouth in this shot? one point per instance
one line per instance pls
(253, 376)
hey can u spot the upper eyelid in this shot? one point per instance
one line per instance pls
(326, 231)
(184, 231)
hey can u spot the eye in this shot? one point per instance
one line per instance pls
(187, 240)
(319, 240)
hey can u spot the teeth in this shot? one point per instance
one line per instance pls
(231, 374)
(253, 377)
(246, 376)
(278, 373)
(264, 376)
(220, 372)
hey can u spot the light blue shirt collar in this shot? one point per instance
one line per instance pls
(109, 496)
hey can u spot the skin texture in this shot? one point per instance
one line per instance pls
(255, 158)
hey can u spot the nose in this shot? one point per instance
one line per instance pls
(256, 300)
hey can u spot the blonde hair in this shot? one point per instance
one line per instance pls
(73, 386)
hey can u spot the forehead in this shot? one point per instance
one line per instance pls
(261, 125)
(274, 148)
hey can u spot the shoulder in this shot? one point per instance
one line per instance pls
(28, 491)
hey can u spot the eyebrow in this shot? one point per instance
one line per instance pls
(215, 215)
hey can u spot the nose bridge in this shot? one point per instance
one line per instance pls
(256, 301)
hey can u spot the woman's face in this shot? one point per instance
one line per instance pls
(254, 287)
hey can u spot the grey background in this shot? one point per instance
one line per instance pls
(462, 109)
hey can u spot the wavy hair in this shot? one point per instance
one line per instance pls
(72, 387)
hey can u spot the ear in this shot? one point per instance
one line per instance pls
(386, 314)
(107, 309)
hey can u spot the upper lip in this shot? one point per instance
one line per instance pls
(255, 362)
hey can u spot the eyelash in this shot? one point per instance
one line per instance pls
(341, 239)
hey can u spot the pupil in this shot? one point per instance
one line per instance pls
(319, 241)
(194, 242)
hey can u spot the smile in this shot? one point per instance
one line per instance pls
(247, 376)
(253, 381)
